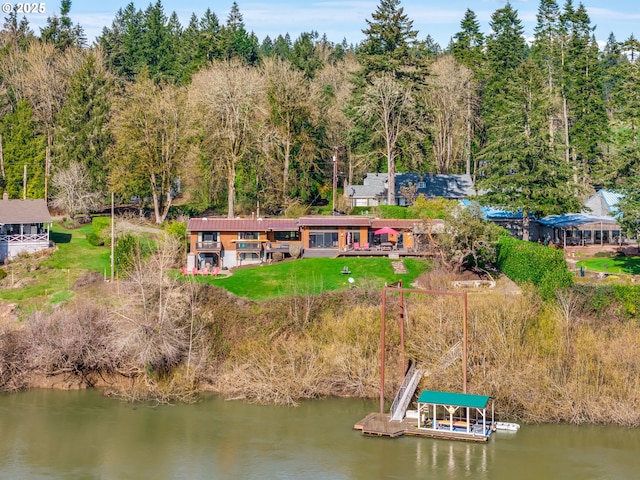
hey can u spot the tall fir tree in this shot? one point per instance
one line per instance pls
(389, 40)
(23, 149)
(61, 31)
(588, 125)
(82, 134)
(468, 44)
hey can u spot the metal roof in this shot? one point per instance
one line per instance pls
(435, 185)
(452, 398)
(401, 224)
(603, 203)
(24, 211)
(241, 224)
(337, 221)
(570, 220)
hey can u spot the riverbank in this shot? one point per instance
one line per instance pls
(542, 362)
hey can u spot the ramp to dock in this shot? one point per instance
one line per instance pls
(405, 394)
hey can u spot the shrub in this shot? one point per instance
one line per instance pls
(526, 262)
(3, 274)
(94, 239)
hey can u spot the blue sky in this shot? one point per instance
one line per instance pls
(346, 18)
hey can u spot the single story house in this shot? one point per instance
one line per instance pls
(374, 188)
(24, 227)
(229, 243)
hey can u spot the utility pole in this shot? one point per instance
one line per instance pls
(335, 179)
(113, 237)
(24, 183)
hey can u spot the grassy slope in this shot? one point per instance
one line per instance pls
(313, 276)
(51, 279)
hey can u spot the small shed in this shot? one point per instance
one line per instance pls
(24, 227)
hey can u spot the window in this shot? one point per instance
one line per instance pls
(285, 236)
(249, 235)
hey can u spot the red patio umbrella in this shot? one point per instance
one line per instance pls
(387, 230)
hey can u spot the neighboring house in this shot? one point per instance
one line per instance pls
(373, 191)
(603, 203)
(24, 227)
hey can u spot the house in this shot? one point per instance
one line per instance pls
(603, 203)
(24, 227)
(373, 191)
(232, 242)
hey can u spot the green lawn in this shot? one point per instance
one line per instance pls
(313, 276)
(51, 280)
(630, 265)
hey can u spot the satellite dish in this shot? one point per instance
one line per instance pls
(351, 280)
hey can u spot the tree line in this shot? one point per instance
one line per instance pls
(207, 114)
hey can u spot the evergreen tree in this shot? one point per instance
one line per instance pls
(389, 41)
(588, 124)
(521, 172)
(121, 43)
(282, 47)
(22, 146)
(468, 44)
(209, 46)
(157, 43)
(236, 42)
(61, 31)
(304, 56)
(82, 134)
(14, 33)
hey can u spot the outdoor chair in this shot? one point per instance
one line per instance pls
(184, 271)
(356, 246)
(195, 270)
(214, 272)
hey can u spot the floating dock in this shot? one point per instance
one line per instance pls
(380, 425)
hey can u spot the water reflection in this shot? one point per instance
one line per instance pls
(48, 434)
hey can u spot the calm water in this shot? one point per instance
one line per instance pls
(81, 435)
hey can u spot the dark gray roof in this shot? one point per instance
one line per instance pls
(24, 211)
(453, 187)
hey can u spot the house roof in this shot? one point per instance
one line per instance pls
(337, 221)
(452, 398)
(241, 224)
(429, 185)
(401, 224)
(571, 220)
(602, 203)
(24, 211)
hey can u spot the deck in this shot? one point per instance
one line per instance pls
(379, 424)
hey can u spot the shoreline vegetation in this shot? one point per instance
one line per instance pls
(156, 337)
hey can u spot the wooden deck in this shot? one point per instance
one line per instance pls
(378, 424)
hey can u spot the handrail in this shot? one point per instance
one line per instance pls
(35, 237)
(401, 402)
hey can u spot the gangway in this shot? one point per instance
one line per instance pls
(405, 393)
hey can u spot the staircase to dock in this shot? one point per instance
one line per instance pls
(405, 394)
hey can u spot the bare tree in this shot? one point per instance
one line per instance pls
(73, 190)
(389, 105)
(152, 147)
(450, 98)
(154, 329)
(40, 75)
(230, 99)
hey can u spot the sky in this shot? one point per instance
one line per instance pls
(345, 19)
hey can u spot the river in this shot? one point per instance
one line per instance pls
(48, 434)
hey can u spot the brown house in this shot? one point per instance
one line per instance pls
(229, 243)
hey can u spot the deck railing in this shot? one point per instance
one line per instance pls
(209, 245)
(25, 238)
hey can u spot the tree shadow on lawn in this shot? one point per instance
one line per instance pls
(59, 237)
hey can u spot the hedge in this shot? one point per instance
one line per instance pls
(527, 262)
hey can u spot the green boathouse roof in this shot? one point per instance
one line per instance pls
(452, 398)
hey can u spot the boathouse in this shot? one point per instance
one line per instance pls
(453, 415)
